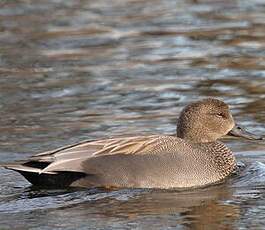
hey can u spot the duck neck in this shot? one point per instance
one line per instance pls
(195, 137)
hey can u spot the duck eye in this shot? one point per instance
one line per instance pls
(220, 115)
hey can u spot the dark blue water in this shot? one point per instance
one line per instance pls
(76, 70)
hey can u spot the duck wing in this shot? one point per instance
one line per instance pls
(70, 158)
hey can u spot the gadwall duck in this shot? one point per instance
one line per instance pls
(191, 158)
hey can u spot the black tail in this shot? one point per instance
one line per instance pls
(32, 172)
(59, 180)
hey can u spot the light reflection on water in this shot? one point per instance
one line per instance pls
(73, 70)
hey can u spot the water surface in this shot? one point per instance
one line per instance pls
(76, 70)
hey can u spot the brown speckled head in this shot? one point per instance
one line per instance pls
(205, 121)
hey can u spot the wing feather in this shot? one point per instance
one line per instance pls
(70, 158)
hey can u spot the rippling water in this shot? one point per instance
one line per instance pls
(76, 70)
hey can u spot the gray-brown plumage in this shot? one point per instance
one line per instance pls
(192, 158)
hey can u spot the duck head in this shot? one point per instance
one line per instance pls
(208, 120)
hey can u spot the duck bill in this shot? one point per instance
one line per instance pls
(238, 131)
